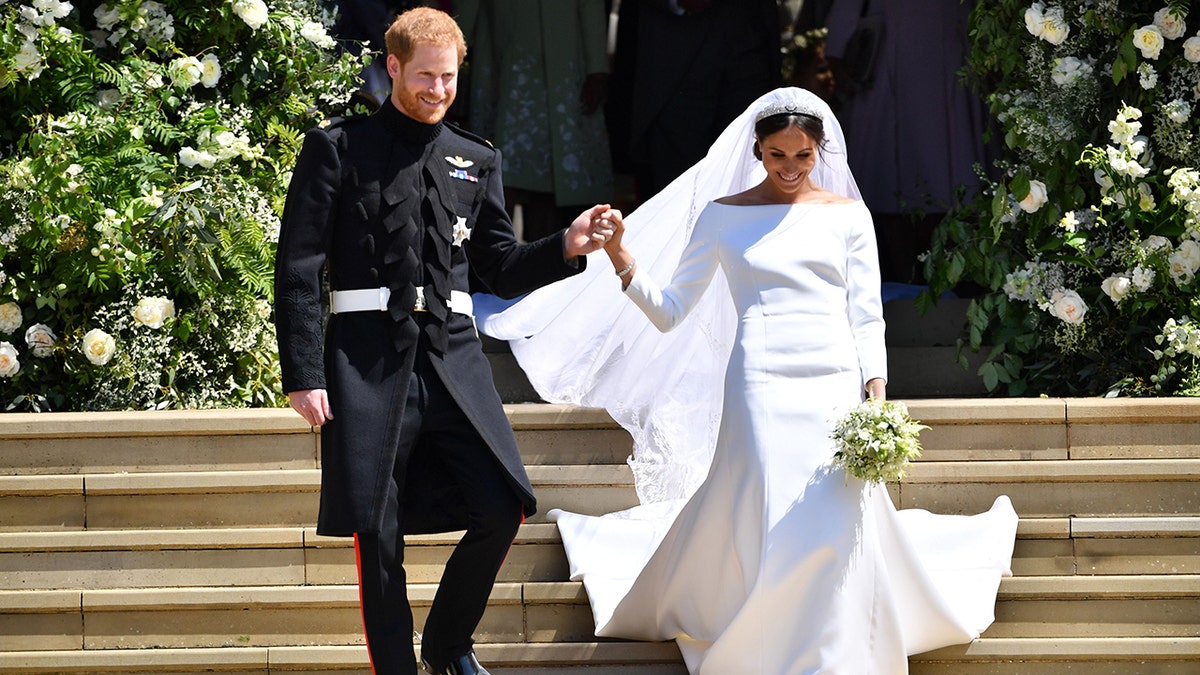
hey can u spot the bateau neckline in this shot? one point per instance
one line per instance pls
(788, 204)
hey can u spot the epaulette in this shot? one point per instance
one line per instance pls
(469, 136)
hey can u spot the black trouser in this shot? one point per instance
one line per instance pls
(433, 422)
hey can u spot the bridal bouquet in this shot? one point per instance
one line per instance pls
(876, 440)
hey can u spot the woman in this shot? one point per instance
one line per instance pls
(777, 563)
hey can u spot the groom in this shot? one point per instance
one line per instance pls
(398, 211)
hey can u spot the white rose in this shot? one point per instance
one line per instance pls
(253, 12)
(1054, 27)
(185, 71)
(40, 340)
(1191, 49)
(1035, 20)
(1170, 25)
(1067, 306)
(152, 312)
(315, 33)
(98, 346)
(1036, 198)
(1116, 288)
(9, 365)
(1149, 41)
(10, 317)
(1183, 262)
(210, 70)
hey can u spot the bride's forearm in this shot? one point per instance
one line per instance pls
(623, 263)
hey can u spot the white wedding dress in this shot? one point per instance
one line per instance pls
(770, 561)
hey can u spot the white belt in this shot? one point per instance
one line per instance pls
(376, 300)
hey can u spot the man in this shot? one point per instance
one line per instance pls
(401, 211)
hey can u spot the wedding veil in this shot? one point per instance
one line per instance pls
(581, 341)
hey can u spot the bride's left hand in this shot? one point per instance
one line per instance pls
(877, 388)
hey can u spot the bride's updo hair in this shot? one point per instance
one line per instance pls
(809, 124)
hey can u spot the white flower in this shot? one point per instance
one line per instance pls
(1116, 288)
(315, 33)
(107, 98)
(1147, 77)
(1067, 306)
(154, 81)
(185, 71)
(190, 157)
(210, 70)
(98, 346)
(1155, 243)
(253, 12)
(1184, 262)
(10, 317)
(1036, 198)
(1069, 222)
(40, 340)
(1178, 111)
(106, 16)
(1035, 21)
(152, 312)
(28, 60)
(1149, 40)
(9, 365)
(1069, 69)
(1125, 126)
(1054, 27)
(1169, 24)
(1191, 49)
(1145, 197)
(1142, 277)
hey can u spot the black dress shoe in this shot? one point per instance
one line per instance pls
(466, 664)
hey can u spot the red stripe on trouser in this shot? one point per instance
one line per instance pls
(362, 608)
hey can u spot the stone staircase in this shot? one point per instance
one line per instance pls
(181, 542)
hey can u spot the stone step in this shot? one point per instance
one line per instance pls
(273, 439)
(1031, 656)
(98, 559)
(262, 439)
(530, 612)
(284, 498)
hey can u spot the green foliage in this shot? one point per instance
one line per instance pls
(1086, 247)
(145, 151)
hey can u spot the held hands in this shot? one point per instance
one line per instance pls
(590, 231)
(312, 404)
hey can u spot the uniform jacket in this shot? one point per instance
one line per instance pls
(383, 200)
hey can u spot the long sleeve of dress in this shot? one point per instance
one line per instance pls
(666, 307)
(864, 306)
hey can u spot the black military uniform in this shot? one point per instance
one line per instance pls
(403, 214)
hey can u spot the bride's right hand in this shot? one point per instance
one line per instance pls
(616, 223)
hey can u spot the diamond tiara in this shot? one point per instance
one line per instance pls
(782, 107)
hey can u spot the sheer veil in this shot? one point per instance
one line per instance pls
(581, 341)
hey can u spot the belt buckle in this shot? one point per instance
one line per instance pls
(419, 304)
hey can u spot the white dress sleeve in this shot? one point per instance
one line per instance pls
(864, 305)
(666, 307)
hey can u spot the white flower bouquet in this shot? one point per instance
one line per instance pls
(876, 440)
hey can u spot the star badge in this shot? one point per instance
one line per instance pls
(460, 162)
(461, 231)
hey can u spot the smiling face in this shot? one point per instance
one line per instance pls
(425, 86)
(789, 156)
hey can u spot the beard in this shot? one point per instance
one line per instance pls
(410, 104)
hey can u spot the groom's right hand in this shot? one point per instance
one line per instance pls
(312, 404)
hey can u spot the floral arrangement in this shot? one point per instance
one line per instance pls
(145, 152)
(1086, 240)
(876, 440)
(798, 48)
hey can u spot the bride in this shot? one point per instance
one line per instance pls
(750, 549)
